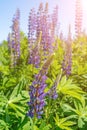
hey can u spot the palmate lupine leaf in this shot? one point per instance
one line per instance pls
(79, 112)
(7, 82)
(3, 125)
(27, 125)
(18, 89)
(3, 101)
(17, 102)
(66, 87)
(31, 125)
(64, 123)
(46, 127)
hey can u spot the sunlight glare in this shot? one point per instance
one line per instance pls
(84, 4)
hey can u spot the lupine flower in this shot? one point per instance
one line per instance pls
(14, 39)
(9, 41)
(78, 18)
(16, 33)
(37, 95)
(61, 36)
(45, 28)
(34, 57)
(39, 19)
(67, 62)
(32, 27)
(52, 93)
(54, 22)
(41, 22)
(49, 23)
(10, 50)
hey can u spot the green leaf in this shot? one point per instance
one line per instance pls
(3, 125)
(80, 123)
(64, 123)
(66, 87)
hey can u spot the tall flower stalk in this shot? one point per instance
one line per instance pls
(14, 39)
(45, 28)
(53, 92)
(67, 61)
(34, 56)
(37, 94)
(45, 23)
(54, 24)
(78, 18)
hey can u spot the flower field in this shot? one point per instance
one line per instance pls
(43, 76)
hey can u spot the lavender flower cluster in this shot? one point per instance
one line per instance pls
(41, 22)
(78, 18)
(37, 94)
(14, 39)
(52, 93)
(41, 37)
(67, 61)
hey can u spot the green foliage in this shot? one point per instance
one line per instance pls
(67, 112)
(64, 123)
(66, 87)
(79, 112)
(13, 106)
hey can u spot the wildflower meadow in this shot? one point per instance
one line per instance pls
(43, 75)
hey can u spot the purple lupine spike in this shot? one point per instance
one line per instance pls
(55, 17)
(32, 28)
(34, 57)
(9, 41)
(16, 30)
(37, 98)
(67, 61)
(54, 25)
(52, 92)
(15, 38)
(78, 18)
(37, 95)
(50, 24)
(45, 28)
(41, 22)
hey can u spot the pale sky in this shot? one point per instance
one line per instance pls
(66, 14)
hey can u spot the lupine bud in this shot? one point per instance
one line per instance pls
(52, 93)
